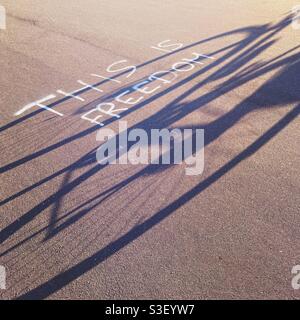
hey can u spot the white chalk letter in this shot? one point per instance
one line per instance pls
(38, 103)
(132, 69)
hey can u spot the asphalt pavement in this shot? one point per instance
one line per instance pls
(71, 228)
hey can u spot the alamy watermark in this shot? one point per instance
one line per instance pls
(296, 17)
(296, 278)
(2, 278)
(153, 146)
(2, 18)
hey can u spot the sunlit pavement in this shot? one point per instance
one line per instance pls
(73, 229)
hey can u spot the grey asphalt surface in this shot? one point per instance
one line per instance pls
(71, 229)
